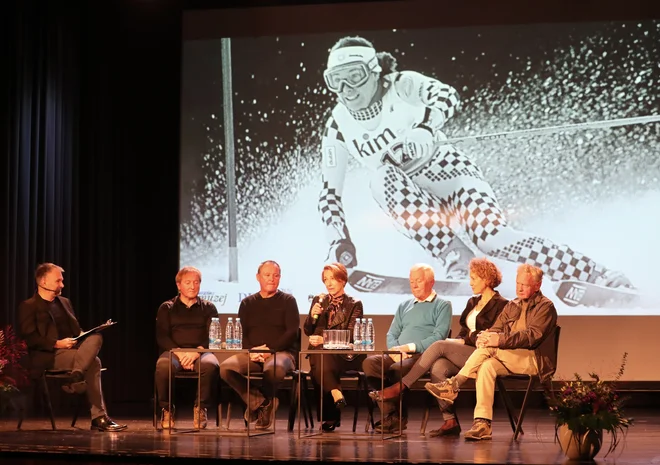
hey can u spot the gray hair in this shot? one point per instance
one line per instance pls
(429, 273)
(535, 272)
(44, 268)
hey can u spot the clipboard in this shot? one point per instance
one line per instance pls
(95, 330)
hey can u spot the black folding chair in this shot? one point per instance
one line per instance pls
(532, 380)
(41, 384)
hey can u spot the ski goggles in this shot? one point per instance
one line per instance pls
(350, 66)
(352, 74)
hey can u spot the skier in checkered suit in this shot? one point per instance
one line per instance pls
(391, 122)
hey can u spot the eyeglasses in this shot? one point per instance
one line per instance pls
(351, 74)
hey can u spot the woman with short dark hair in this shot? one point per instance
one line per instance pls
(336, 310)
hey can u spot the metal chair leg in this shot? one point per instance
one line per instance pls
(49, 405)
(20, 418)
(308, 402)
(155, 419)
(514, 420)
(356, 409)
(79, 404)
(293, 402)
(362, 380)
(507, 404)
(523, 410)
(21, 411)
(425, 418)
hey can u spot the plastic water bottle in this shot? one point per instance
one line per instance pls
(215, 334)
(371, 335)
(238, 335)
(363, 334)
(357, 335)
(229, 334)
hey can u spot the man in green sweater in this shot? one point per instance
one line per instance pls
(417, 324)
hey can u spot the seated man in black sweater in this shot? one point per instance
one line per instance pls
(183, 323)
(270, 321)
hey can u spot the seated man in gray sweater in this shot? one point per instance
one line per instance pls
(417, 324)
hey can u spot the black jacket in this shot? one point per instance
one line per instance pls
(352, 311)
(485, 319)
(37, 326)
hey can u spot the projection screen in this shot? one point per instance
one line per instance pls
(544, 150)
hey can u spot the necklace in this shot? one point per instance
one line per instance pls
(481, 304)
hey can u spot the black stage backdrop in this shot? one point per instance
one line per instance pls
(91, 156)
(91, 176)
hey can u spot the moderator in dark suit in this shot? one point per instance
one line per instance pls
(37, 327)
(48, 324)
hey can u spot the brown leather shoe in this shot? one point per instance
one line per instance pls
(389, 393)
(449, 428)
(391, 425)
(267, 414)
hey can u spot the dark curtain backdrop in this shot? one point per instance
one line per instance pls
(90, 179)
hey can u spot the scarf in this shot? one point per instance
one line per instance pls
(336, 311)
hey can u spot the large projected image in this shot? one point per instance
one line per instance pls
(526, 144)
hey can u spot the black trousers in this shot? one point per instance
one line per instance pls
(234, 372)
(208, 377)
(334, 366)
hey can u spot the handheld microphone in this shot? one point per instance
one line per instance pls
(324, 301)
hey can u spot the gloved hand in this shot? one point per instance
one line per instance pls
(344, 252)
(419, 142)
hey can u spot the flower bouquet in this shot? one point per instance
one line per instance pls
(12, 374)
(585, 409)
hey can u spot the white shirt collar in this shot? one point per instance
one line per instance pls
(430, 298)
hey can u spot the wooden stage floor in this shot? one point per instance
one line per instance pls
(140, 444)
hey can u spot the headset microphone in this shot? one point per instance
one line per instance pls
(49, 290)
